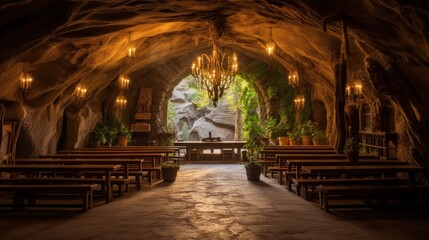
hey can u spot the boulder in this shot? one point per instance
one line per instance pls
(220, 121)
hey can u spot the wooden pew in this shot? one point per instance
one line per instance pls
(138, 171)
(298, 147)
(281, 168)
(298, 163)
(381, 192)
(119, 182)
(34, 170)
(22, 192)
(303, 184)
(380, 170)
(177, 149)
(266, 164)
(127, 164)
(155, 157)
(281, 158)
(271, 153)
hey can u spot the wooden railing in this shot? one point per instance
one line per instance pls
(383, 143)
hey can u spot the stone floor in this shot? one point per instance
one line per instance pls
(214, 201)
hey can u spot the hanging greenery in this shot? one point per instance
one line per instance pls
(283, 95)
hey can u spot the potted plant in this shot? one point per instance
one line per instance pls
(295, 137)
(351, 148)
(268, 130)
(253, 169)
(111, 124)
(169, 171)
(99, 135)
(306, 129)
(281, 132)
(124, 135)
(254, 143)
(253, 135)
(318, 137)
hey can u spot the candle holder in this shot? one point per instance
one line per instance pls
(121, 102)
(293, 79)
(25, 80)
(354, 92)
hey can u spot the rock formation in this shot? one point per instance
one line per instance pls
(64, 43)
(196, 124)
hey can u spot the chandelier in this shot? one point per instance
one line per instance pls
(214, 73)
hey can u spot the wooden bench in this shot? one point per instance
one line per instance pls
(120, 182)
(302, 184)
(145, 171)
(30, 192)
(267, 163)
(379, 191)
(280, 171)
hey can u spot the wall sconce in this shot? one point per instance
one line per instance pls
(81, 91)
(25, 80)
(270, 45)
(293, 79)
(299, 102)
(121, 102)
(124, 82)
(131, 52)
(354, 92)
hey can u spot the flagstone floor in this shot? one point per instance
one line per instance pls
(214, 201)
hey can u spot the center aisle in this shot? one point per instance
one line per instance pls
(212, 201)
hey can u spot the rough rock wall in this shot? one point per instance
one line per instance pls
(67, 42)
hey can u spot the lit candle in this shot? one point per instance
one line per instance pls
(359, 89)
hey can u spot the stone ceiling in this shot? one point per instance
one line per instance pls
(64, 42)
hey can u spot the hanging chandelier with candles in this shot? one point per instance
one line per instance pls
(25, 80)
(214, 73)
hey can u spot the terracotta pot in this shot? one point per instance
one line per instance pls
(306, 140)
(293, 142)
(169, 174)
(97, 143)
(352, 156)
(253, 173)
(316, 142)
(283, 141)
(123, 141)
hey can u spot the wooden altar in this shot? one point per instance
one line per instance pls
(199, 146)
